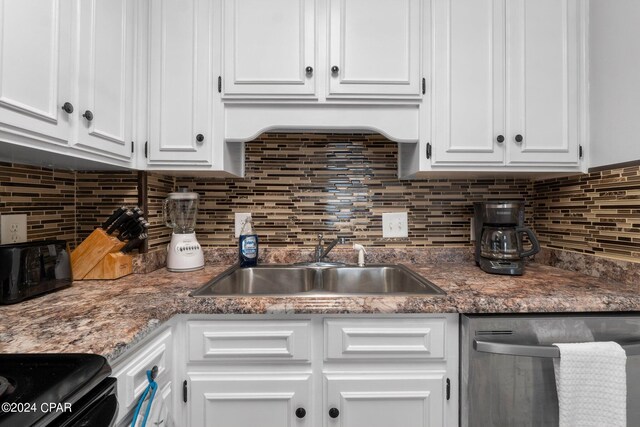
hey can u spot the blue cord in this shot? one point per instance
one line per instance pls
(153, 386)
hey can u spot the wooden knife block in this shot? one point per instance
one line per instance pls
(99, 257)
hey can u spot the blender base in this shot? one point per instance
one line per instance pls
(184, 253)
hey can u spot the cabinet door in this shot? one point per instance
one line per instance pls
(35, 38)
(543, 74)
(180, 82)
(267, 47)
(375, 48)
(106, 77)
(414, 399)
(250, 400)
(468, 82)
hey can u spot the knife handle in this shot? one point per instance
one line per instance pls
(113, 217)
(125, 216)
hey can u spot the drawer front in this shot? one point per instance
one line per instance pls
(132, 375)
(248, 340)
(384, 338)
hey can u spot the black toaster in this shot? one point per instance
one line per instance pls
(33, 268)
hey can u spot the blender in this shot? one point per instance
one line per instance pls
(179, 211)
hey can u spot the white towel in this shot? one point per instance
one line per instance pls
(592, 384)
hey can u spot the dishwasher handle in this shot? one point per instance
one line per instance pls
(547, 351)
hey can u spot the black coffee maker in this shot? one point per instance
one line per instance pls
(499, 229)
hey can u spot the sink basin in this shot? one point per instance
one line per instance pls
(378, 279)
(263, 280)
(318, 280)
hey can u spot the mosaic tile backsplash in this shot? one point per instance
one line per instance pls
(598, 213)
(63, 204)
(298, 185)
(47, 196)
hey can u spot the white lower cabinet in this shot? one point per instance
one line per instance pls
(329, 371)
(131, 372)
(297, 371)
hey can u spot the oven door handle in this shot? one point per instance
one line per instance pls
(632, 348)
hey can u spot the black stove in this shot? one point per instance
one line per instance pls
(56, 390)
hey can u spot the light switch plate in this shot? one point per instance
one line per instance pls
(240, 219)
(13, 228)
(395, 224)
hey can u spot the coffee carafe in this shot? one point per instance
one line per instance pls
(499, 231)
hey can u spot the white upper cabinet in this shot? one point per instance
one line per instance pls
(35, 69)
(375, 48)
(180, 82)
(543, 81)
(106, 77)
(340, 48)
(269, 47)
(507, 84)
(468, 82)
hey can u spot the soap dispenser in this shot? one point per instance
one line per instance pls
(248, 245)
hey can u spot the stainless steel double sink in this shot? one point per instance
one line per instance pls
(318, 280)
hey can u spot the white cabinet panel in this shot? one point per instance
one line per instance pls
(180, 82)
(543, 79)
(414, 399)
(468, 82)
(132, 372)
(106, 76)
(268, 46)
(376, 47)
(249, 340)
(35, 69)
(249, 400)
(384, 338)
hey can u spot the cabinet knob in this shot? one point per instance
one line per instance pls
(300, 412)
(335, 69)
(309, 71)
(199, 137)
(500, 139)
(67, 107)
(519, 138)
(88, 115)
(333, 412)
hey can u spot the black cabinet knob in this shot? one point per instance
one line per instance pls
(519, 138)
(300, 412)
(199, 137)
(88, 115)
(333, 412)
(309, 71)
(67, 107)
(500, 139)
(335, 69)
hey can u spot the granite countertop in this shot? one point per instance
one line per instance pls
(107, 317)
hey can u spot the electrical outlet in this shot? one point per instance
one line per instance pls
(240, 219)
(13, 228)
(395, 224)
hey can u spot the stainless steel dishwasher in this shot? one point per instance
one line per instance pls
(507, 376)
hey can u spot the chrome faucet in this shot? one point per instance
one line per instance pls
(321, 252)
